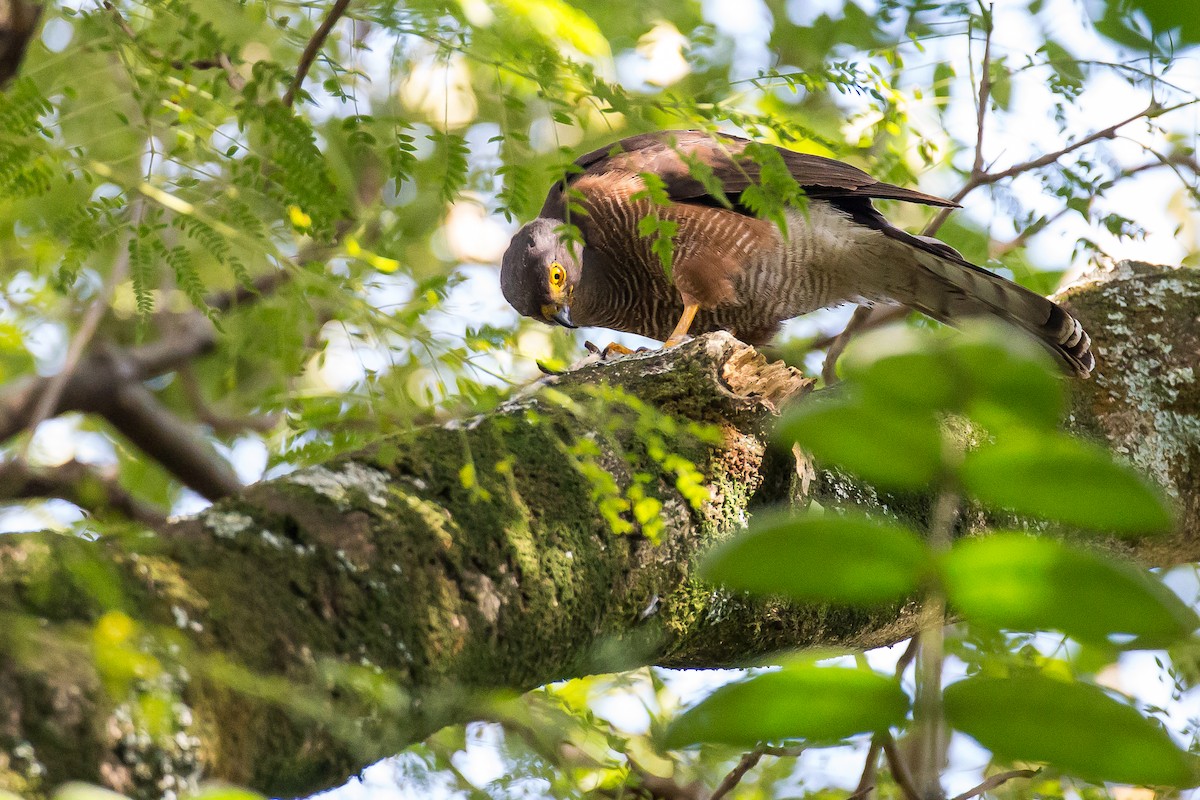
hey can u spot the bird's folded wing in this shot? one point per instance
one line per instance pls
(679, 158)
(710, 246)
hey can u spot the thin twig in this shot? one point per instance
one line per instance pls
(997, 780)
(976, 180)
(232, 76)
(1150, 112)
(866, 783)
(736, 774)
(985, 88)
(221, 60)
(48, 401)
(885, 314)
(783, 752)
(660, 788)
(864, 318)
(898, 768)
(861, 794)
(312, 48)
(907, 657)
(998, 249)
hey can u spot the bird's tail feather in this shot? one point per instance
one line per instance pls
(948, 288)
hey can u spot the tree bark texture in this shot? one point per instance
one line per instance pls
(287, 637)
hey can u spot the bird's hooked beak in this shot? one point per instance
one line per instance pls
(559, 315)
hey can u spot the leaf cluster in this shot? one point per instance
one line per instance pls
(890, 426)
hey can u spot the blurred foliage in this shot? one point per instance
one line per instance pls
(1002, 391)
(148, 163)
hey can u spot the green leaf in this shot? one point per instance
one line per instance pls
(1163, 15)
(943, 78)
(995, 375)
(1001, 78)
(226, 793)
(797, 702)
(1007, 371)
(850, 560)
(1062, 479)
(85, 791)
(1072, 726)
(704, 173)
(921, 380)
(1019, 582)
(888, 447)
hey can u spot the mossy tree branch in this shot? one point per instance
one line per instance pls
(290, 635)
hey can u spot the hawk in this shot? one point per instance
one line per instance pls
(731, 270)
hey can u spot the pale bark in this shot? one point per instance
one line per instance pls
(481, 554)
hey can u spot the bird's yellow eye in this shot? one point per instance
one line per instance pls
(558, 275)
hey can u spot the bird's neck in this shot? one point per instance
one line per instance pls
(596, 292)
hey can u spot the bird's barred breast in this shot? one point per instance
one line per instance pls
(820, 262)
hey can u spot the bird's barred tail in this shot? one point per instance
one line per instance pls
(948, 288)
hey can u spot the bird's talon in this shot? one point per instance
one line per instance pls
(676, 340)
(614, 349)
(593, 349)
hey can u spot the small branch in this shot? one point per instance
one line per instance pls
(898, 768)
(736, 774)
(866, 783)
(232, 76)
(664, 788)
(910, 653)
(92, 385)
(660, 788)
(997, 780)
(312, 48)
(1150, 112)
(978, 179)
(864, 318)
(89, 488)
(999, 249)
(1187, 161)
(263, 286)
(221, 60)
(783, 752)
(838, 345)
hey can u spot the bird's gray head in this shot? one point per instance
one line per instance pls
(540, 271)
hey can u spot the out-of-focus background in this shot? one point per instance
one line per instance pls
(149, 171)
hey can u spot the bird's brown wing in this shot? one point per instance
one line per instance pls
(668, 153)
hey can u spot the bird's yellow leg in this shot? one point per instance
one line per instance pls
(679, 335)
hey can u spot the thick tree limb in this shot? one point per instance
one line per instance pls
(317, 622)
(109, 383)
